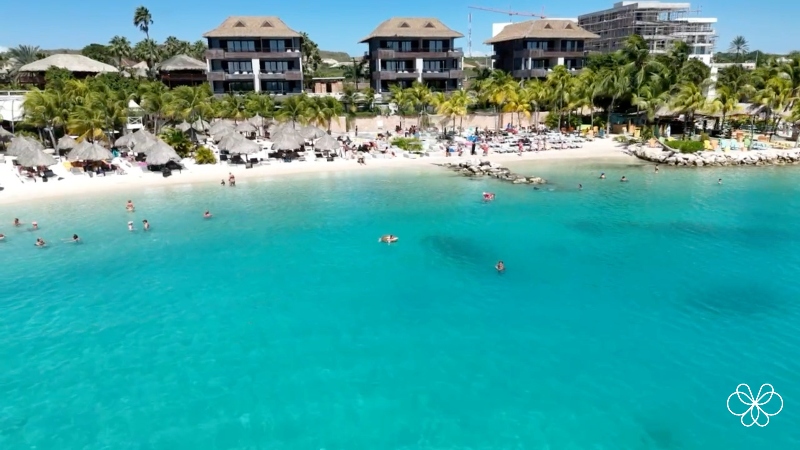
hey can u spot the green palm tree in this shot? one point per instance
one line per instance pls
(538, 96)
(649, 99)
(20, 56)
(725, 101)
(155, 99)
(294, 108)
(420, 96)
(497, 90)
(142, 19)
(777, 96)
(688, 101)
(615, 84)
(402, 99)
(560, 84)
(261, 104)
(739, 47)
(120, 47)
(191, 103)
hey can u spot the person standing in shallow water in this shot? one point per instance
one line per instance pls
(719, 181)
(656, 168)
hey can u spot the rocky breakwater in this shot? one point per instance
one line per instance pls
(717, 159)
(489, 169)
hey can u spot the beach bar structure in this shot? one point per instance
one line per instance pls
(182, 70)
(661, 24)
(407, 49)
(328, 85)
(254, 54)
(80, 66)
(530, 49)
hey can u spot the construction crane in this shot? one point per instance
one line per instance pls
(501, 11)
(510, 13)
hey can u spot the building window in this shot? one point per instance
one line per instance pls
(277, 45)
(275, 86)
(540, 64)
(241, 86)
(240, 67)
(398, 46)
(433, 66)
(396, 66)
(241, 46)
(571, 46)
(517, 64)
(276, 66)
(435, 46)
(537, 45)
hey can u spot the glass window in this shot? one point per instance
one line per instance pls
(436, 46)
(277, 45)
(241, 46)
(276, 66)
(240, 67)
(405, 46)
(396, 66)
(241, 86)
(433, 66)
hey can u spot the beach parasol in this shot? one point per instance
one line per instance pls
(257, 120)
(327, 142)
(228, 140)
(140, 137)
(290, 125)
(35, 158)
(218, 136)
(183, 126)
(5, 134)
(66, 143)
(244, 147)
(200, 125)
(19, 146)
(219, 127)
(246, 127)
(311, 132)
(89, 152)
(160, 153)
(288, 140)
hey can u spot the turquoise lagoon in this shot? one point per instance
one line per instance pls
(628, 314)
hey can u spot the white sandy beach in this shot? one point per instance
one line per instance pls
(16, 192)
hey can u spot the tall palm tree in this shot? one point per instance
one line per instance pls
(402, 99)
(142, 19)
(295, 108)
(155, 99)
(22, 55)
(149, 51)
(120, 47)
(191, 103)
(739, 47)
(725, 101)
(259, 104)
(688, 101)
(560, 84)
(42, 110)
(497, 90)
(777, 96)
(649, 99)
(615, 84)
(537, 95)
(420, 96)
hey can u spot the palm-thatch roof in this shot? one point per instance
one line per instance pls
(288, 140)
(311, 132)
(541, 29)
(182, 62)
(21, 145)
(89, 152)
(160, 153)
(246, 127)
(73, 63)
(66, 143)
(5, 133)
(229, 140)
(200, 125)
(327, 142)
(35, 158)
(139, 137)
(252, 26)
(741, 109)
(412, 27)
(244, 147)
(183, 126)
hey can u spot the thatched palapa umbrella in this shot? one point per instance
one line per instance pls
(183, 126)
(21, 145)
(257, 120)
(161, 153)
(229, 140)
(66, 143)
(244, 147)
(89, 152)
(246, 127)
(200, 125)
(220, 127)
(35, 158)
(311, 132)
(288, 140)
(328, 143)
(5, 134)
(223, 134)
(140, 137)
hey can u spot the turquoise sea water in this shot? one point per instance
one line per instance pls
(628, 314)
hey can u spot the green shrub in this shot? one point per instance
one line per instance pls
(686, 146)
(204, 155)
(704, 137)
(408, 144)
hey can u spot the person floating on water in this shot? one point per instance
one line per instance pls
(35, 225)
(207, 215)
(388, 238)
(146, 225)
(623, 179)
(488, 196)
(74, 238)
(130, 225)
(17, 223)
(2, 237)
(129, 206)
(40, 242)
(500, 266)
(719, 181)
(603, 176)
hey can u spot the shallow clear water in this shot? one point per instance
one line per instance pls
(627, 316)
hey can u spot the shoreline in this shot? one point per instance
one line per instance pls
(17, 193)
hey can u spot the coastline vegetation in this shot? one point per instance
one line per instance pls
(630, 82)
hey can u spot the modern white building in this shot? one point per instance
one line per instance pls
(11, 106)
(661, 24)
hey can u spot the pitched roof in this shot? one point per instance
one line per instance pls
(182, 62)
(412, 27)
(73, 63)
(252, 26)
(542, 29)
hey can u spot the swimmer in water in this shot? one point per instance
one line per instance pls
(2, 237)
(40, 242)
(656, 168)
(17, 223)
(488, 196)
(603, 176)
(719, 181)
(130, 225)
(623, 179)
(388, 238)
(35, 225)
(222, 183)
(129, 207)
(580, 187)
(207, 215)
(146, 225)
(75, 238)
(500, 266)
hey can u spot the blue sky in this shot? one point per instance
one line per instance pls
(339, 25)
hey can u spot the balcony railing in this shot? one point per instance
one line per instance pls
(388, 53)
(269, 53)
